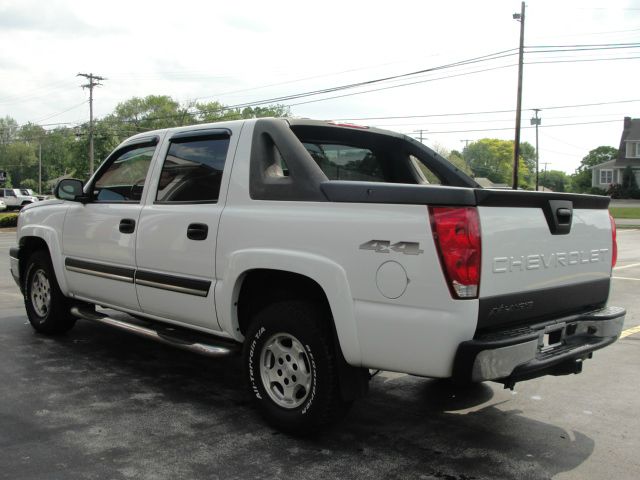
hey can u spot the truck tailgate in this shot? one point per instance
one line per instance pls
(544, 255)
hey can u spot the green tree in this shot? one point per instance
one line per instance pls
(30, 183)
(8, 129)
(493, 158)
(555, 180)
(216, 111)
(581, 179)
(149, 113)
(20, 160)
(65, 150)
(629, 183)
(458, 161)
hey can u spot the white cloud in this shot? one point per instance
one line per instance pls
(226, 50)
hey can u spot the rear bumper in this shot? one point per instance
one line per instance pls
(555, 347)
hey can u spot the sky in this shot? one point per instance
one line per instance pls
(247, 51)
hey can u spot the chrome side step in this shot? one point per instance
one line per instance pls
(212, 348)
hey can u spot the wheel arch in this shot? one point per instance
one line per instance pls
(302, 275)
(45, 240)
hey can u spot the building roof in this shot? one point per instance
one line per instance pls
(617, 163)
(630, 133)
(631, 129)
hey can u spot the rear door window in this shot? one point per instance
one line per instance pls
(192, 171)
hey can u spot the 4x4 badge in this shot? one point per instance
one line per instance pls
(385, 246)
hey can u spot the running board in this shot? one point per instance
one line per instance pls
(209, 346)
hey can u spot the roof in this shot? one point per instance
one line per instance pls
(630, 133)
(634, 162)
(631, 130)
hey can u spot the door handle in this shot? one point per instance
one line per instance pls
(197, 231)
(127, 225)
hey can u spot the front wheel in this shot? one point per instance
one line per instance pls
(47, 308)
(290, 365)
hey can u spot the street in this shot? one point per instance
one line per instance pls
(98, 403)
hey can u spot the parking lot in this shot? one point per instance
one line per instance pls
(98, 403)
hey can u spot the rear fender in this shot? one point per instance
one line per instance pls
(329, 275)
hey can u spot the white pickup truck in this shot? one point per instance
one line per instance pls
(321, 251)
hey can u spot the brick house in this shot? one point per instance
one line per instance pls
(610, 172)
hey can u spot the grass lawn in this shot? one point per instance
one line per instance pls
(5, 213)
(625, 212)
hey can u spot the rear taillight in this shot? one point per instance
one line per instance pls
(614, 246)
(456, 231)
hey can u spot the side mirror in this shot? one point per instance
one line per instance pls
(70, 189)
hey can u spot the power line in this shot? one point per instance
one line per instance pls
(400, 117)
(589, 45)
(605, 59)
(470, 61)
(511, 128)
(59, 113)
(403, 117)
(46, 89)
(446, 77)
(484, 58)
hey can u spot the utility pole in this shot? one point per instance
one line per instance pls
(536, 121)
(94, 81)
(464, 150)
(420, 133)
(516, 147)
(545, 171)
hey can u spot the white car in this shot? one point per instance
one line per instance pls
(25, 196)
(13, 198)
(321, 251)
(3, 206)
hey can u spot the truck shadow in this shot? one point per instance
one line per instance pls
(155, 404)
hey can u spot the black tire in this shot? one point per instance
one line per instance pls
(306, 323)
(47, 308)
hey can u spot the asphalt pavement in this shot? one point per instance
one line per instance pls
(100, 404)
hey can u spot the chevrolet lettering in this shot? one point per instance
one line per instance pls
(553, 260)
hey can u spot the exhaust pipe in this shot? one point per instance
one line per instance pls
(209, 349)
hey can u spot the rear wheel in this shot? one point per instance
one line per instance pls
(291, 367)
(47, 308)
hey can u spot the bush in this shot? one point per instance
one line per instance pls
(596, 191)
(616, 191)
(9, 220)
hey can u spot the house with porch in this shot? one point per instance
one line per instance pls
(605, 174)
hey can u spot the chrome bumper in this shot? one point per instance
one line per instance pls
(551, 348)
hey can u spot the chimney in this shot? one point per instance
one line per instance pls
(627, 123)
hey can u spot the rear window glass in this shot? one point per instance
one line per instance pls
(344, 162)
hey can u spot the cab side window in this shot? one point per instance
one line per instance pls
(123, 180)
(192, 170)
